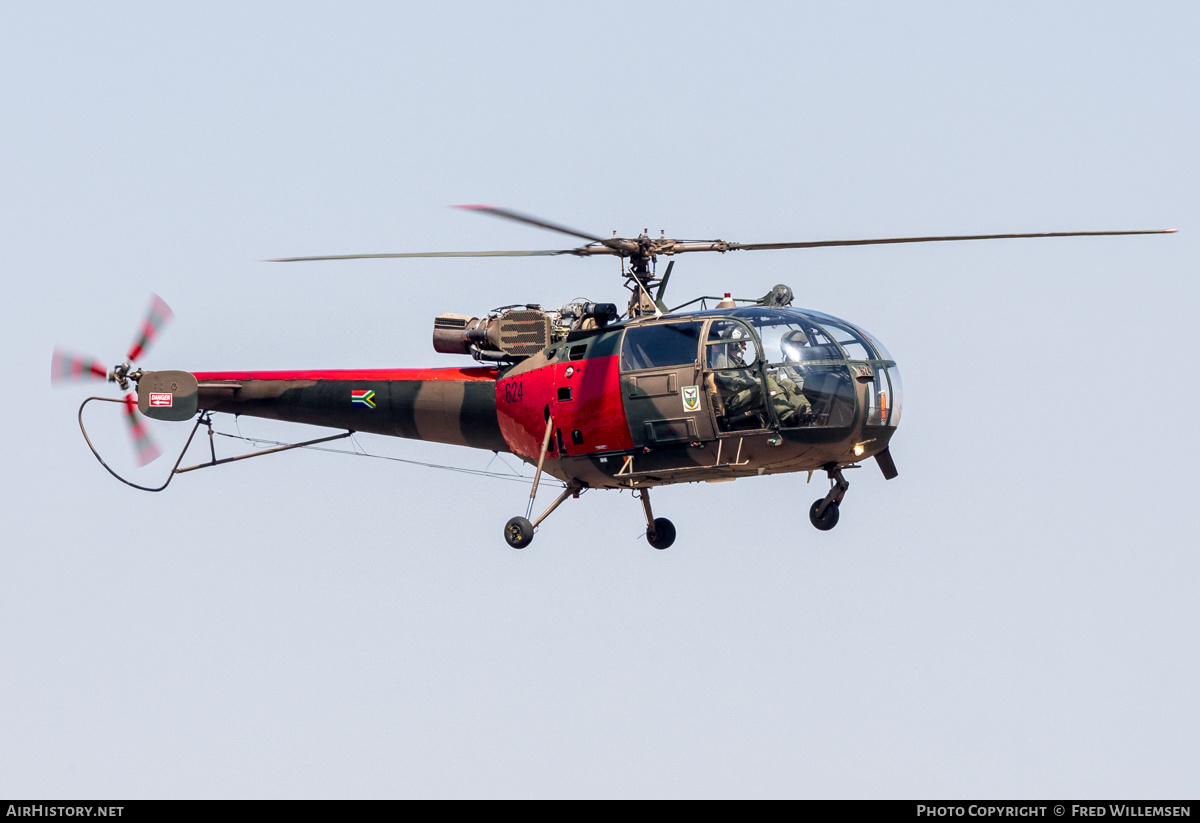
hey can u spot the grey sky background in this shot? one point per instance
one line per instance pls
(1013, 616)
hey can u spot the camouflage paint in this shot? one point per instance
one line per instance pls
(578, 382)
(454, 406)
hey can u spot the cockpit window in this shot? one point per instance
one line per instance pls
(853, 344)
(732, 378)
(859, 344)
(661, 345)
(791, 337)
(729, 345)
(798, 372)
(807, 382)
(884, 397)
(880, 351)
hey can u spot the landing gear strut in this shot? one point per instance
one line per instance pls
(660, 532)
(518, 532)
(824, 513)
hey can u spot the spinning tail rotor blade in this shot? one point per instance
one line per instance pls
(147, 450)
(68, 366)
(156, 317)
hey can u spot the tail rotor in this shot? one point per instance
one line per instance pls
(68, 366)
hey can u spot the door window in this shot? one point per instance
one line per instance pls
(662, 345)
(732, 379)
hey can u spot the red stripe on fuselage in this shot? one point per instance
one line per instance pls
(475, 373)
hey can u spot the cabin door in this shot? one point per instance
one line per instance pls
(661, 385)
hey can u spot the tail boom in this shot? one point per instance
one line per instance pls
(454, 406)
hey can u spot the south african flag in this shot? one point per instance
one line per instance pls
(362, 397)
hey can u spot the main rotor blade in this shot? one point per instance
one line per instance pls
(583, 251)
(623, 247)
(882, 241)
(611, 242)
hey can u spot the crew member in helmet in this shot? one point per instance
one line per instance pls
(786, 385)
(732, 355)
(792, 344)
(738, 386)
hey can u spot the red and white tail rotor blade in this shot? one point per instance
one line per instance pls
(66, 365)
(156, 317)
(143, 444)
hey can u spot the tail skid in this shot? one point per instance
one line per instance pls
(204, 419)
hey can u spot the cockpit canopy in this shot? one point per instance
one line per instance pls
(796, 335)
(773, 366)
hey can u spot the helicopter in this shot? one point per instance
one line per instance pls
(593, 396)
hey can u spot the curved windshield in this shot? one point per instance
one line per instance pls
(790, 337)
(880, 351)
(804, 371)
(805, 376)
(858, 343)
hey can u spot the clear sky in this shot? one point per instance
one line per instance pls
(1013, 616)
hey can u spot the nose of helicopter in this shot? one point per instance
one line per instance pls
(885, 397)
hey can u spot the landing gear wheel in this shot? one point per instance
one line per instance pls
(518, 532)
(830, 518)
(662, 534)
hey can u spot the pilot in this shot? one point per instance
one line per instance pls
(792, 344)
(740, 390)
(786, 385)
(733, 354)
